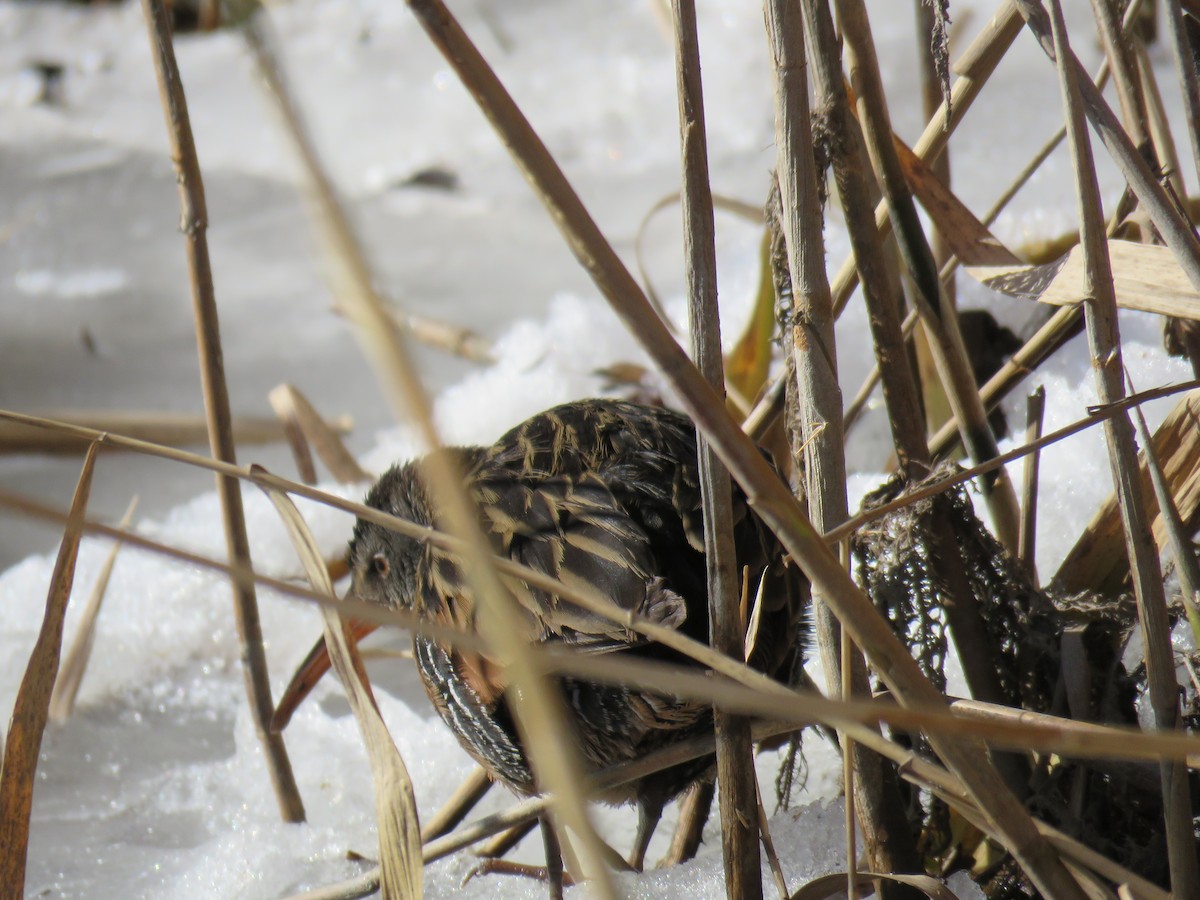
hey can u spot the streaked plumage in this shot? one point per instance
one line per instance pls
(598, 492)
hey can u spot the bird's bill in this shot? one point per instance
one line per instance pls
(310, 672)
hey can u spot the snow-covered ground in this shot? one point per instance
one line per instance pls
(156, 788)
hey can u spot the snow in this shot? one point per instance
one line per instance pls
(156, 787)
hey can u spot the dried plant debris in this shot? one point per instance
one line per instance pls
(1061, 655)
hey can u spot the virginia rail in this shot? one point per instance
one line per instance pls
(597, 491)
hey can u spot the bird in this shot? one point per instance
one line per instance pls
(600, 492)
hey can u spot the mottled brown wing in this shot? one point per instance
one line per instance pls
(574, 529)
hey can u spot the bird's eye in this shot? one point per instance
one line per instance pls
(379, 562)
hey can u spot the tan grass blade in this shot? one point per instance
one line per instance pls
(31, 709)
(1146, 277)
(297, 413)
(70, 676)
(173, 429)
(395, 802)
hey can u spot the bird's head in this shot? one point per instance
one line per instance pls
(383, 562)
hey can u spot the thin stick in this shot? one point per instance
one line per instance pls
(461, 802)
(846, 692)
(764, 830)
(176, 429)
(736, 786)
(1096, 417)
(216, 402)
(1100, 313)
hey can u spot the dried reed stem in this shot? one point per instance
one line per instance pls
(813, 350)
(1124, 72)
(461, 802)
(539, 714)
(899, 387)
(177, 429)
(1100, 314)
(194, 224)
(737, 790)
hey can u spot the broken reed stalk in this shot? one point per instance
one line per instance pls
(1104, 344)
(937, 314)
(300, 416)
(70, 675)
(31, 709)
(539, 713)
(737, 789)
(1185, 65)
(813, 351)
(194, 223)
(770, 497)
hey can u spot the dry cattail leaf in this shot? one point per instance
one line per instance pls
(395, 803)
(31, 707)
(1146, 277)
(967, 237)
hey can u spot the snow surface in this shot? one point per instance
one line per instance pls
(156, 788)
